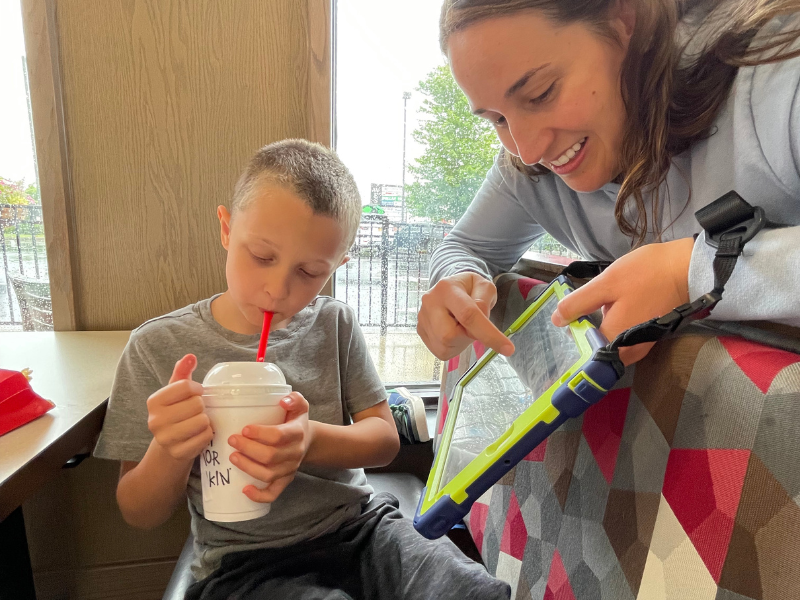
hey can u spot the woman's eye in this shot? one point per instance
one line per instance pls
(543, 97)
(499, 122)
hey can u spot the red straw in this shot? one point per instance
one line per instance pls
(262, 343)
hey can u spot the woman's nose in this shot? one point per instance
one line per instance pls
(530, 139)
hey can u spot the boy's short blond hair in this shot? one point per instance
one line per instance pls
(312, 172)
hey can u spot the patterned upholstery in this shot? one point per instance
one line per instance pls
(683, 483)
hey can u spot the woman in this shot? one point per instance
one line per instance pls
(619, 119)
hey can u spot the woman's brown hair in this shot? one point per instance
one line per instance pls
(672, 91)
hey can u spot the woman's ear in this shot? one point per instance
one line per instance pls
(224, 226)
(623, 19)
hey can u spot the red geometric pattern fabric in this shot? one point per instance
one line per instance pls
(558, 587)
(602, 429)
(683, 483)
(703, 488)
(760, 363)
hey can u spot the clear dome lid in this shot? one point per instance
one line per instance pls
(247, 377)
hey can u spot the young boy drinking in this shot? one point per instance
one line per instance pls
(294, 215)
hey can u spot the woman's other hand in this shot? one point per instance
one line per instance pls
(646, 283)
(455, 312)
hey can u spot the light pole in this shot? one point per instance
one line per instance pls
(406, 96)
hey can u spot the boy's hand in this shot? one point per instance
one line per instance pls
(176, 415)
(273, 453)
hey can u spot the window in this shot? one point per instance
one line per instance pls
(418, 155)
(24, 284)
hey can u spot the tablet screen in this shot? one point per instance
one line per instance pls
(505, 387)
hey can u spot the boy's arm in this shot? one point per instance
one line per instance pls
(149, 491)
(370, 441)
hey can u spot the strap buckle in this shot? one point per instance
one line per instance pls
(691, 311)
(731, 219)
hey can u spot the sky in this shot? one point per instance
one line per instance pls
(16, 150)
(383, 49)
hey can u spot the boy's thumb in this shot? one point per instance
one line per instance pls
(184, 368)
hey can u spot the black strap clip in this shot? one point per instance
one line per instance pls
(681, 316)
(731, 219)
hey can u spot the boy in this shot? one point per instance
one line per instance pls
(295, 212)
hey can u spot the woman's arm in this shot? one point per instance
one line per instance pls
(489, 239)
(492, 235)
(765, 284)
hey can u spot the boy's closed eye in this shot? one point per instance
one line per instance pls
(264, 260)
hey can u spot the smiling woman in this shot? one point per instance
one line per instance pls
(619, 120)
(566, 110)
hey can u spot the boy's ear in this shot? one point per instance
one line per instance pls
(224, 226)
(345, 260)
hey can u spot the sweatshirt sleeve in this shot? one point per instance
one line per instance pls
(765, 285)
(492, 235)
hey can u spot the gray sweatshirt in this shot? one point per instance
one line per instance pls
(755, 150)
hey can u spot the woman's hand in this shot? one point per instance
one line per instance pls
(455, 312)
(273, 453)
(646, 283)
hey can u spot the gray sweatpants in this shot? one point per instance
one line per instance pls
(377, 556)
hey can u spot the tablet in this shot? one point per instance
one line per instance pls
(503, 407)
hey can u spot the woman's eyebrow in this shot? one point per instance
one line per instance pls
(520, 83)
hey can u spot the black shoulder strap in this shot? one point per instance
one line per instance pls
(730, 222)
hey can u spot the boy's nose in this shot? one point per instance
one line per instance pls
(277, 287)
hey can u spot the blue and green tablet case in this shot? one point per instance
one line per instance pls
(503, 407)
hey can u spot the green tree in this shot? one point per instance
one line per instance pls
(16, 218)
(16, 192)
(459, 150)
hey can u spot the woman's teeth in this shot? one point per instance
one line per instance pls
(568, 155)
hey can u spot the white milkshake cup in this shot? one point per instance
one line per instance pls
(237, 394)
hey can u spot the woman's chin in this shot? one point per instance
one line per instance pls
(586, 181)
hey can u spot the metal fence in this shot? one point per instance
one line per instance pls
(23, 254)
(388, 270)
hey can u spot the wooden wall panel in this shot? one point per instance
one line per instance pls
(164, 101)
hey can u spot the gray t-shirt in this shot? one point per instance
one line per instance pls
(323, 355)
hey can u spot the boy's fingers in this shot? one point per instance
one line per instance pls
(261, 472)
(259, 452)
(178, 391)
(264, 454)
(193, 446)
(184, 368)
(271, 492)
(186, 430)
(295, 405)
(583, 301)
(273, 435)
